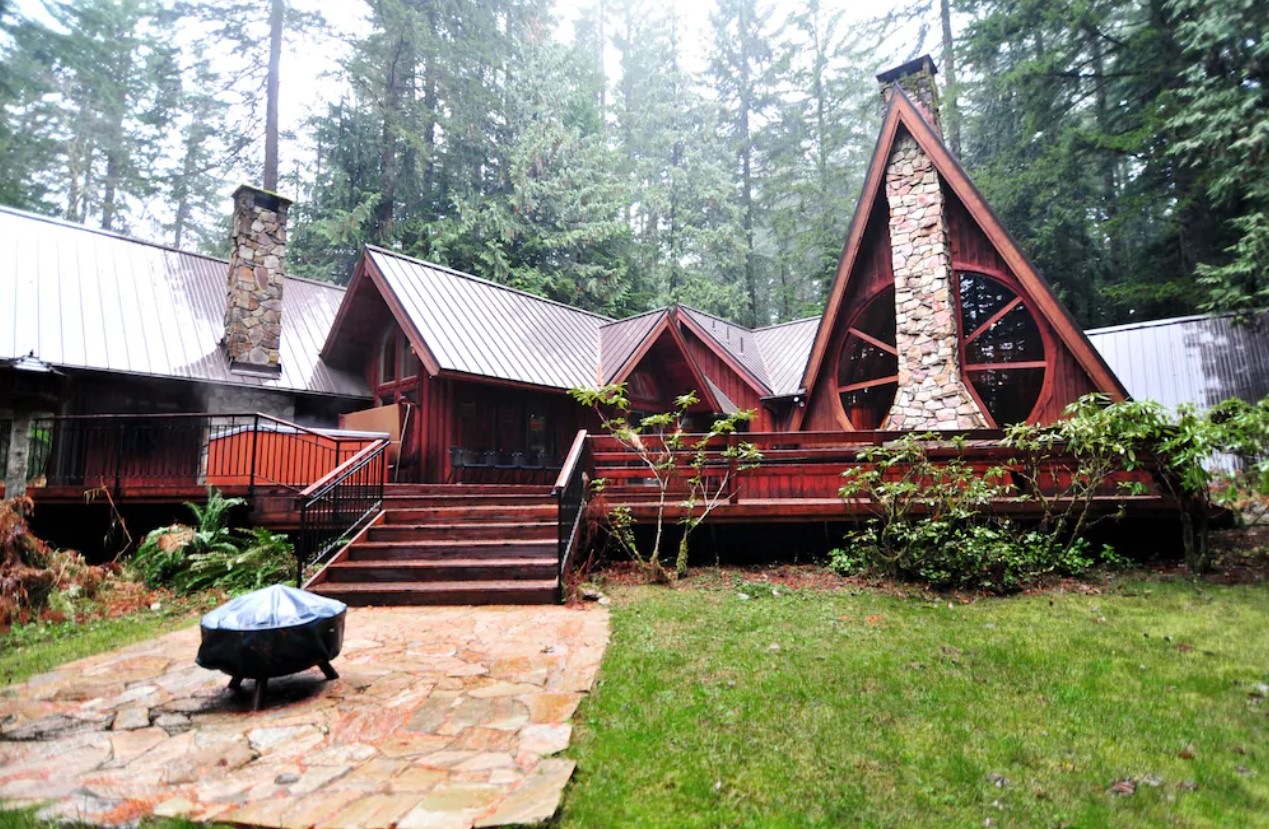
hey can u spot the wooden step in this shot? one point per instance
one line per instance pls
(466, 531)
(433, 550)
(544, 591)
(411, 501)
(443, 570)
(541, 490)
(470, 513)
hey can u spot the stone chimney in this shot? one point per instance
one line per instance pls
(932, 393)
(916, 78)
(257, 265)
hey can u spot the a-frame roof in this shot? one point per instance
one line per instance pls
(458, 323)
(902, 114)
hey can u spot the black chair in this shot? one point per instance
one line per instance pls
(535, 462)
(505, 464)
(457, 462)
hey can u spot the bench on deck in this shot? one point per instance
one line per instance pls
(499, 465)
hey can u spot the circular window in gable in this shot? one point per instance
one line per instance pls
(1004, 354)
(868, 364)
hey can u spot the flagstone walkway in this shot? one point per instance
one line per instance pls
(441, 717)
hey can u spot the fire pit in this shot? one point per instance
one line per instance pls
(270, 633)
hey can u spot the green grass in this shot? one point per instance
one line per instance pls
(879, 710)
(33, 649)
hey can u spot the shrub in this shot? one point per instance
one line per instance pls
(932, 521)
(211, 555)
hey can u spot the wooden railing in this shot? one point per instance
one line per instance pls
(149, 453)
(809, 465)
(339, 504)
(570, 494)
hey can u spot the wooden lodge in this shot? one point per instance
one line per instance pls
(415, 430)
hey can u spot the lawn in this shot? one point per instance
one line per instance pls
(32, 649)
(839, 708)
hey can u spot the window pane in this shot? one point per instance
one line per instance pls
(388, 359)
(981, 297)
(1008, 394)
(409, 362)
(863, 358)
(1013, 338)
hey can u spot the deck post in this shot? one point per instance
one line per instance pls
(15, 472)
(119, 438)
(255, 453)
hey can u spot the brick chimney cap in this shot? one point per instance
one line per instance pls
(263, 198)
(910, 68)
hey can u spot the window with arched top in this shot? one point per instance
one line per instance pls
(868, 364)
(1004, 355)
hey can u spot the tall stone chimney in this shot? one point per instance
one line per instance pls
(932, 393)
(257, 265)
(916, 78)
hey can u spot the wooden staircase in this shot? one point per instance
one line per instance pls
(451, 544)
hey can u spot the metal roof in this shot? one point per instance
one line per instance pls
(1199, 360)
(89, 299)
(479, 327)
(736, 340)
(786, 348)
(619, 340)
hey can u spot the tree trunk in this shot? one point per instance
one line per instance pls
(951, 110)
(271, 97)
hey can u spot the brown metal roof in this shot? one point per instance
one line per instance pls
(736, 340)
(785, 349)
(89, 299)
(1199, 360)
(619, 340)
(479, 327)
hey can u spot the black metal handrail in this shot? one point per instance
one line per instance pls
(570, 494)
(339, 505)
(182, 450)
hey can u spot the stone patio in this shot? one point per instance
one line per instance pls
(441, 717)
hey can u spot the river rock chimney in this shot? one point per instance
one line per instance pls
(257, 267)
(932, 393)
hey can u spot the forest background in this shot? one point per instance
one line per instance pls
(621, 155)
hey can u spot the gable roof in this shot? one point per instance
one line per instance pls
(902, 113)
(89, 299)
(464, 324)
(730, 341)
(785, 348)
(474, 326)
(618, 341)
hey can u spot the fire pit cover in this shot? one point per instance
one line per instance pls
(272, 632)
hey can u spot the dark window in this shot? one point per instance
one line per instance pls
(1002, 347)
(868, 366)
(388, 358)
(409, 361)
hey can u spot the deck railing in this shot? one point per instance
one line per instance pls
(341, 503)
(174, 451)
(570, 494)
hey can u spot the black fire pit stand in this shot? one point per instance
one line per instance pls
(270, 633)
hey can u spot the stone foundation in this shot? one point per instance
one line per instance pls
(932, 393)
(257, 266)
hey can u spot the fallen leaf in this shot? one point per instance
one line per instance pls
(1187, 786)
(1185, 646)
(1152, 780)
(998, 780)
(874, 620)
(1244, 771)
(1187, 753)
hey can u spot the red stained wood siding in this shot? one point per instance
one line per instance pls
(737, 389)
(873, 270)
